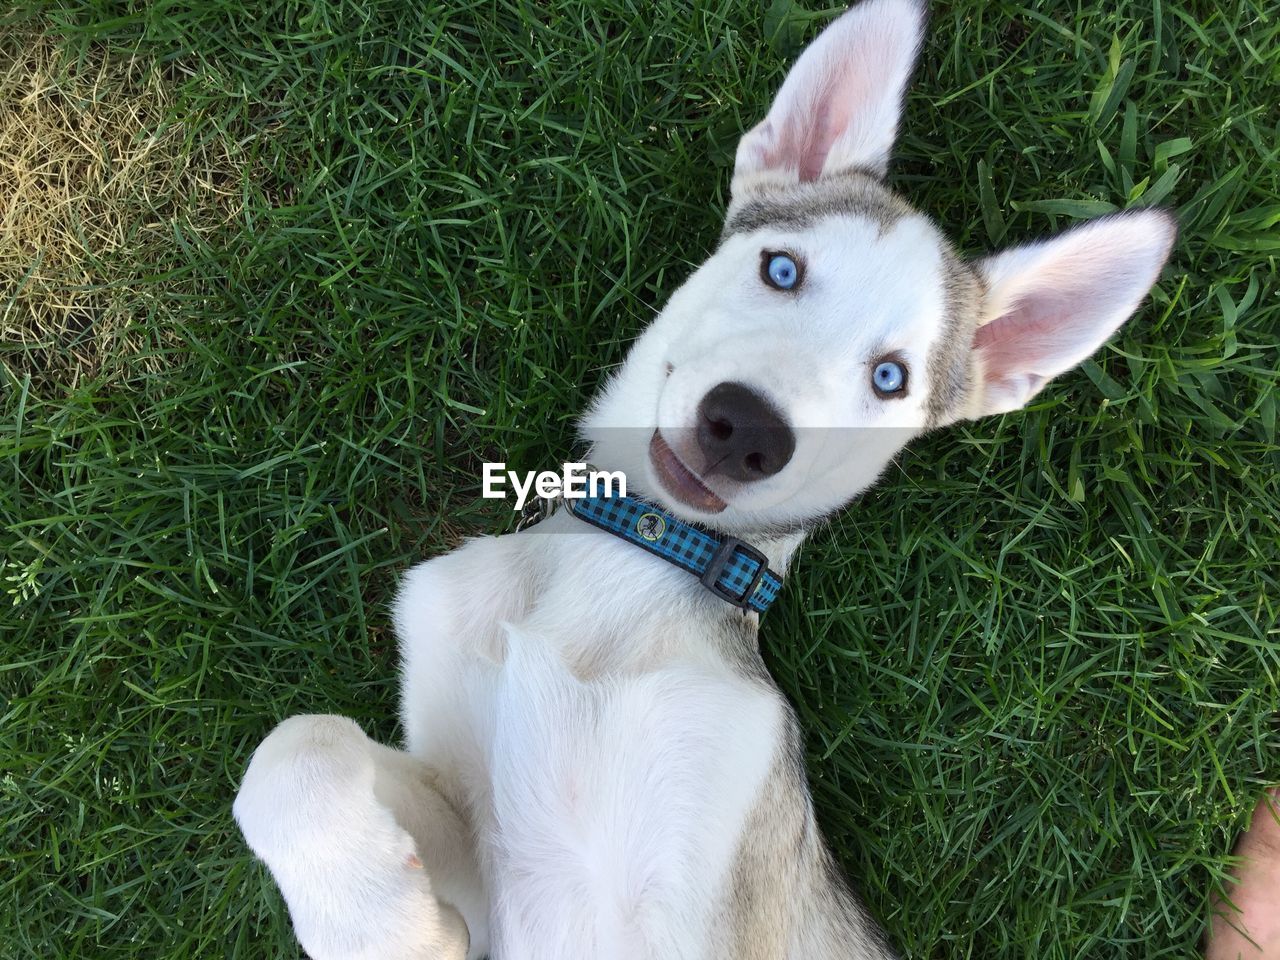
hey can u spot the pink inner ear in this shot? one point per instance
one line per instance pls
(801, 131)
(831, 113)
(818, 142)
(1008, 342)
(843, 97)
(1038, 335)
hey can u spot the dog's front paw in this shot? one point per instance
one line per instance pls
(311, 807)
(301, 783)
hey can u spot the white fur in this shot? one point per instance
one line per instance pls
(594, 760)
(593, 844)
(583, 843)
(327, 809)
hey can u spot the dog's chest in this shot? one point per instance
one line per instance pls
(618, 801)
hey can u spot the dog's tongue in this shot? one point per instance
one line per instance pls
(678, 480)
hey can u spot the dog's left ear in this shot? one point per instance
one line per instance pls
(839, 107)
(1050, 305)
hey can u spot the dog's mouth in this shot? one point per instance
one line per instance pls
(678, 480)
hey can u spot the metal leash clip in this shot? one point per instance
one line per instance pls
(535, 511)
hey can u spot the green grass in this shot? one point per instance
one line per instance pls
(1038, 665)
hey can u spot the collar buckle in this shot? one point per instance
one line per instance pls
(724, 553)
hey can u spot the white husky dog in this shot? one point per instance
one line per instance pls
(597, 764)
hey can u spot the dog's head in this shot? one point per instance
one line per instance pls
(834, 323)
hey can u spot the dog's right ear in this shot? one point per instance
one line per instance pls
(839, 107)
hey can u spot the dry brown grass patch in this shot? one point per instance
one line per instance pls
(95, 179)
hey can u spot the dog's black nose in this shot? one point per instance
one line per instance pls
(742, 436)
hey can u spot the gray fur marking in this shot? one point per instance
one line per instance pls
(796, 206)
(950, 364)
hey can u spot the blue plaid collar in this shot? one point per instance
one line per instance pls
(734, 571)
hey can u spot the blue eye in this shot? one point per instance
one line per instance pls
(781, 271)
(889, 377)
